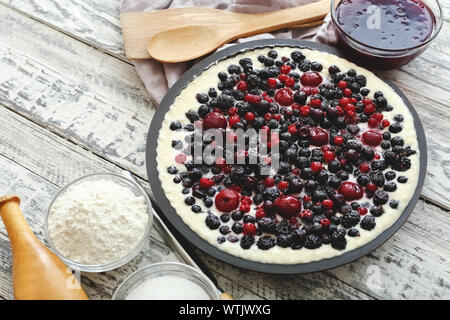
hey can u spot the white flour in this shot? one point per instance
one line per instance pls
(95, 222)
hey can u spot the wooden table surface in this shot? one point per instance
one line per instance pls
(72, 104)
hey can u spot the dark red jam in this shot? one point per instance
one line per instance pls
(388, 29)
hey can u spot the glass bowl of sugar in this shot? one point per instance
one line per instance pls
(167, 281)
(98, 222)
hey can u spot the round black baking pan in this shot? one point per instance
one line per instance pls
(196, 240)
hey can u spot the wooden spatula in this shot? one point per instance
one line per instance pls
(199, 30)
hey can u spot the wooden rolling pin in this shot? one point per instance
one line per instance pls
(38, 274)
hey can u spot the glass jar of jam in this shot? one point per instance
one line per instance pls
(385, 34)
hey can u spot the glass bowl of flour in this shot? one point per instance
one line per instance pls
(167, 281)
(98, 222)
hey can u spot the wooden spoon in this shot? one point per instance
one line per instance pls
(38, 274)
(139, 27)
(212, 31)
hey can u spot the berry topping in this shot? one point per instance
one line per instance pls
(318, 136)
(287, 206)
(249, 229)
(372, 138)
(284, 97)
(227, 200)
(311, 79)
(214, 120)
(351, 191)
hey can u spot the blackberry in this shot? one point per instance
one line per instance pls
(212, 92)
(368, 222)
(403, 164)
(380, 197)
(232, 68)
(196, 208)
(350, 219)
(377, 178)
(304, 66)
(353, 232)
(266, 224)
(312, 242)
(265, 243)
(237, 227)
(376, 211)
(297, 56)
(378, 165)
(284, 240)
(225, 101)
(338, 240)
(247, 241)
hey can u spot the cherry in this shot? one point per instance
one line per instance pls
(287, 206)
(227, 200)
(316, 166)
(252, 98)
(214, 120)
(311, 79)
(318, 137)
(372, 137)
(351, 191)
(284, 97)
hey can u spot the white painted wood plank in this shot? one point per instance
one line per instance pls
(26, 149)
(101, 104)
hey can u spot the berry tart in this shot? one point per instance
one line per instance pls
(348, 156)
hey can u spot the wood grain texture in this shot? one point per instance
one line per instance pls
(100, 113)
(101, 104)
(24, 142)
(33, 147)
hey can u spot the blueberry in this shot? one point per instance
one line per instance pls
(196, 208)
(333, 69)
(237, 215)
(202, 98)
(225, 217)
(237, 227)
(261, 58)
(224, 230)
(249, 219)
(390, 175)
(402, 179)
(393, 204)
(398, 118)
(175, 125)
(316, 66)
(189, 201)
(272, 54)
(208, 202)
(353, 232)
(368, 222)
(403, 164)
(397, 141)
(395, 127)
(172, 170)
